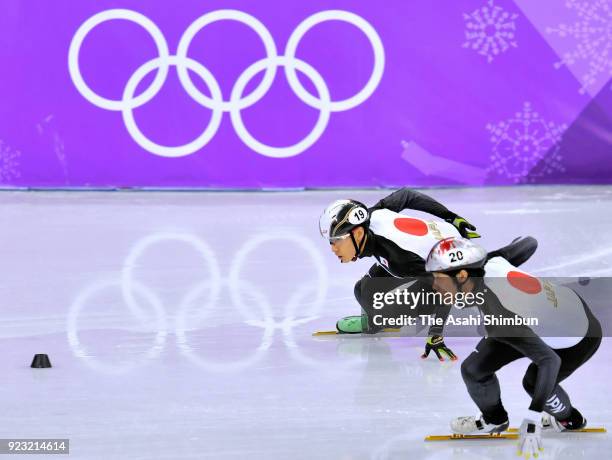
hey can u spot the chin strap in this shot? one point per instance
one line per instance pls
(358, 248)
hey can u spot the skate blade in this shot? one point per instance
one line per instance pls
(594, 429)
(463, 437)
(388, 330)
(511, 433)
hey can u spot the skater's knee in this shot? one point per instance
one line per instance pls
(529, 382)
(474, 369)
(357, 291)
(469, 370)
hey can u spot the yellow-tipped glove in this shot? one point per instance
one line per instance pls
(466, 229)
(436, 343)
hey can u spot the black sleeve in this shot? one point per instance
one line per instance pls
(438, 311)
(548, 362)
(441, 313)
(406, 198)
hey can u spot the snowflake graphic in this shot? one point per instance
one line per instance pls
(490, 30)
(526, 146)
(592, 33)
(8, 162)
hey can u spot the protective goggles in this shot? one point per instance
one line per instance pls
(335, 239)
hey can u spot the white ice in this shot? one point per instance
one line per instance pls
(179, 327)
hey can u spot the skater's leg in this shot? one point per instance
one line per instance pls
(517, 252)
(478, 372)
(359, 323)
(375, 271)
(559, 404)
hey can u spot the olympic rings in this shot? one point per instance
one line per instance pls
(237, 101)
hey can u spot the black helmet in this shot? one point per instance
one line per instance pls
(342, 216)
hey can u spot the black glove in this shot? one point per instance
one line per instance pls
(464, 227)
(436, 343)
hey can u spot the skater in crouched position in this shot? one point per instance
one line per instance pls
(399, 244)
(565, 335)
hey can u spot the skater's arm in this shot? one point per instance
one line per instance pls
(548, 362)
(441, 314)
(406, 198)
(435, 340)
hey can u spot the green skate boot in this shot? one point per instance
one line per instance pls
(353, 325)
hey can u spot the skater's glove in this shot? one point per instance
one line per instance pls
(530, 439)
(436, 343)
(465, 228)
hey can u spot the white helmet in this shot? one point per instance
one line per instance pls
(455, 253)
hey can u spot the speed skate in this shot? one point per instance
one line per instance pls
(511, 433)
(386, 331)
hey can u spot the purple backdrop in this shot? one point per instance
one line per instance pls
(467, 92)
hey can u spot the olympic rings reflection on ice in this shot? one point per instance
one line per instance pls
(258, 240)
(145, 243)
(212, 366)
(79, 304)
(141, 299)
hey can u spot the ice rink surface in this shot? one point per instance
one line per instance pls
(179, 327)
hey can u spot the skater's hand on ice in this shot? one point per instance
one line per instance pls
(465, 228)
(436, 343)
(530, 439)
